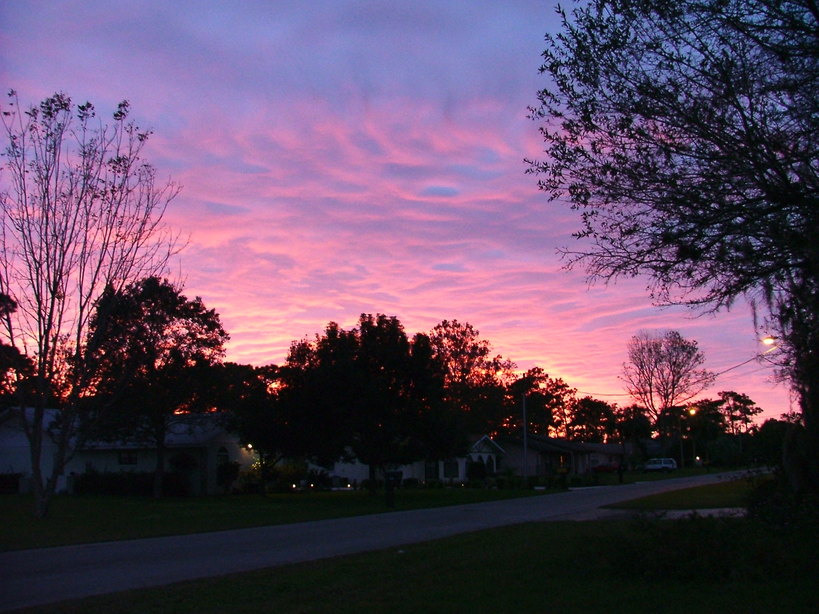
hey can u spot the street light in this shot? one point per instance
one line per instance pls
(692, 411)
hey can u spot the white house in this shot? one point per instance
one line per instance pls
(453, 471)
(196, 445)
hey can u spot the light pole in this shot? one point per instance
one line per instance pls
(692, 411)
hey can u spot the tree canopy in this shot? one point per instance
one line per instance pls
(154, 349)
(475, 381)
(686, 132)
(370, 391)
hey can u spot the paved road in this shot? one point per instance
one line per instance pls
(37, 577)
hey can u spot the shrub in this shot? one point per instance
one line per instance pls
(773, 502)
(318, 479)
(475, 471)
(411, 483)
(128, 484)
(226, 474)
(708, 549)
(10, 483)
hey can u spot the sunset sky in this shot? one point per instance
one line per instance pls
(342, 157)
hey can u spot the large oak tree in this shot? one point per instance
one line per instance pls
(156, 350)
(370, 392)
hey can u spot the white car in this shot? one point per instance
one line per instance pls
(660, 464)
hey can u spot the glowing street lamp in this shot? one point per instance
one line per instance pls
(692, 411)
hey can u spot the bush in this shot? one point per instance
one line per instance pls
(773, 502)
(128, 484)
(227, 474)
(318, 479)
(475, 471)
(10, 483)
(275, 477)
(709, 549)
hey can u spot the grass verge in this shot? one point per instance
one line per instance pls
(87, 519)
(728, 493)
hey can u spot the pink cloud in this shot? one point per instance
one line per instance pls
(338, 158)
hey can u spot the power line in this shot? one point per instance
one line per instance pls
(716, 375)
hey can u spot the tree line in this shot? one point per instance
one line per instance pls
(371, 392)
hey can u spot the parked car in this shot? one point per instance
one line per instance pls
(660, 464)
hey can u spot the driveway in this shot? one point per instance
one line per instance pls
(48, 575)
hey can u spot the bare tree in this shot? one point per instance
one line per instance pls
(663, 371)
(81, 212)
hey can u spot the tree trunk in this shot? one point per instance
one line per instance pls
(159, 471)
(373, 484)
(39, 490)
(809, 401)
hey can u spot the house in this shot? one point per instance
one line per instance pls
(607, 456)
(545, 456)
(453, 471)
(541, 456)
(196, 446)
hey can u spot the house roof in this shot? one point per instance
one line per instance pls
(542, 443)
(604, 448)
(184, 431)
(486, 445)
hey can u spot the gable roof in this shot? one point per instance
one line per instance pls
(486, 445)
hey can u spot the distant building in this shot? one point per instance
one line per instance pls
(451, 471)
(546, 456)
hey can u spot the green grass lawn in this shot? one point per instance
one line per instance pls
(729, 493)
(703, 565)
(84, 519)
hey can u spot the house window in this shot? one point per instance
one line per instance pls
(222, 456)
(431, 470)
(451, 469)
(127, 457)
